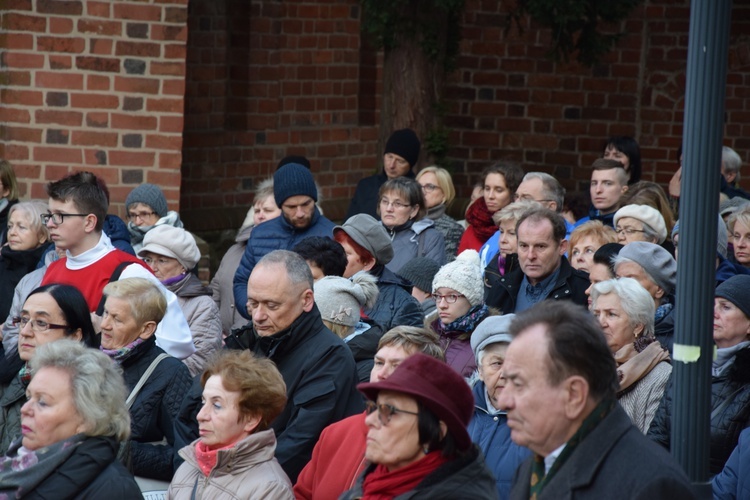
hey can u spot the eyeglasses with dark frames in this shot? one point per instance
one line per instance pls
(140, 215)
(429, 188)
(58, 218)
(385, 412)
(37, 325)
(628, 230)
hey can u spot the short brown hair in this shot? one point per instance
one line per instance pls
(542, 213)
(415, 339)
(261, 386)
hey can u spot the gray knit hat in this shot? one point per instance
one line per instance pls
(172, 242)
(722, 240)
(655, 260)
(647, 215)
(340, 300)
(370, 235)
(737, 291)
(464, 275)
(293, 179)
(491, 330)
(420, 271)
(150, 195)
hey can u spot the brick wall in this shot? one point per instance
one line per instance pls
(96, 85)
(270, 79)
(266, 79)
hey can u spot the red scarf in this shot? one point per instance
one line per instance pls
(480, 219)
(206, 457)
(383, 485)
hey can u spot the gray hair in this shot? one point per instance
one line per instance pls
(650, 233)
(413, 338)
(96, 383)
(514, 211)
(553, 190)
(296, 267)
(263, 190)
(33, 210)
(147, 302)
(634, 299)
(731, 160)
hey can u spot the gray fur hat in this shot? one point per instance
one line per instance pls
(340, 300)
(150, 195)
(464, 275)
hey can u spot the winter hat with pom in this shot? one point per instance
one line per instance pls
(340, 300)
(464, 275)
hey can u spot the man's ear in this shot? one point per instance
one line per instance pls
(563, 247)
(90, 223)
(576, 396)
(308, 300)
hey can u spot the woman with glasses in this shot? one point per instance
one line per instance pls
(500, 182)
(458, 290)
(640, 223)
(417, 442)
(50, 313)
(147, 208)
(171, 253)
(438, 190)
(402, 212)
(27, 241)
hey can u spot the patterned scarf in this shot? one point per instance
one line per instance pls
(662, 311)
(538, 477)
(463, 326)
(25, 374)
(479, 218)
(123, 353)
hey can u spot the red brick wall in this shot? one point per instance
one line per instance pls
(96, 85)
(266, 79)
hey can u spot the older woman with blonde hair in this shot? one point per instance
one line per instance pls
(27, 241)
(73, 423)
(132, 310)
(439, 193)
(625, 311)
(242, 395)
(739, 229)
(585, 240)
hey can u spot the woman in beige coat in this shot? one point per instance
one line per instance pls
(234, 456)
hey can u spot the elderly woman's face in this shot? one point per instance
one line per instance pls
(582, 254)
(396, 210)
(141, 214)
(490, 370)
(629, 230)
(741, 243)
(451, 305)
(731, 326)
(508, 239)
(219, 421)
(119, 327)
(43, 322)
(265, 209)
(21, 234)
(163, 267)
(616, 325)
(394, 444)
(50, 414)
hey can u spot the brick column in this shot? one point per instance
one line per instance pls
(95, 85)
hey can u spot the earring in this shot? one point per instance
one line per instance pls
(426, 450)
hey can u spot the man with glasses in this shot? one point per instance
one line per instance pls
(544, 272)
(544, 189)
(295, 193)
(77, 209)
(339, 456)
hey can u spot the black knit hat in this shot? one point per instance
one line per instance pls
(293, 179)
(420, 271)
(404, 143)
(737, 291)
(294, 159)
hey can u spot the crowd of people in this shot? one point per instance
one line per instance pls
(524, 352)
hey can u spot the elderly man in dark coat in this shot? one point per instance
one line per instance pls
(560, 396)
(317, 366)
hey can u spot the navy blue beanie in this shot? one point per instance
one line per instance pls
(737, 291)
(293, 179)
(404, 143)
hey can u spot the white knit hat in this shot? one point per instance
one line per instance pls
(647, 215)
(339, 299)
(464, 275)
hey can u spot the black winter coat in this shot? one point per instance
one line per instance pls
(726, 426)
(464, 477)
(395, 305)
(365, 200)
(91, 473)
(500, 292)
(14, 265)
(155, 411)
(320, 376)
(363, 347)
